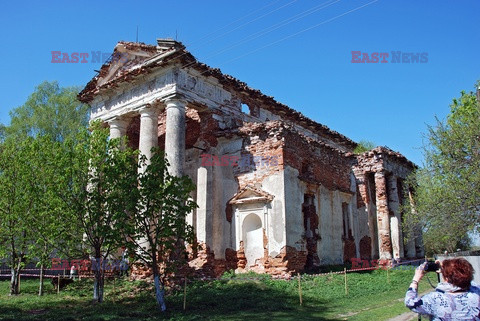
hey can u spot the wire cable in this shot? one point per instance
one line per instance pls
(246, 23)
(276, 26)
(302, 31)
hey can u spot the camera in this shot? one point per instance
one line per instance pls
(431, 266)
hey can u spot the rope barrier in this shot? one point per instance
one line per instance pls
(238, 277)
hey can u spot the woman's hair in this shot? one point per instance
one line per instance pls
(458, 271)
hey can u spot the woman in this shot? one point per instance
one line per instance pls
(455, 299)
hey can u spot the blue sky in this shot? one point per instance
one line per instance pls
(297, 51)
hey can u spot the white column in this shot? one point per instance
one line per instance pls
(204, 222)
(118, 127)
(175, 135)
(148, 139)
(148, 132)
(410, 246)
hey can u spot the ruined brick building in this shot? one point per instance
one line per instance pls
(277, 191)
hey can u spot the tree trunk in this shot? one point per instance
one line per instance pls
(14, 282)
(40, 287)
(98, 282)
(159, 289)
(160, 293)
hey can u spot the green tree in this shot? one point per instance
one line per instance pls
(447, 195)
(49, 111)
(158, 230)
(2, 132)
(97, 180)
(50, 114)
(55, 229)
(16, 205)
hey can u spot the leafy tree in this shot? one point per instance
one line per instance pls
(54, 227)
(447, 193)
(2, 132)
(97, 180)
(50, 114)
(15, 206)
(363, 146)
(49, 111)
(158, 230)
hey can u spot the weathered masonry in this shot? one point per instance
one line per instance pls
(277, 192)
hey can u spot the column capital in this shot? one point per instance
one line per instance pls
(148, 111)
(118, 126)
(175, 101)
(118, 122)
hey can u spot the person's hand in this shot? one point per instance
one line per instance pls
(440, 265)
(419, 272)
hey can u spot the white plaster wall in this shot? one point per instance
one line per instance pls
(329, 208)
(276, 232)
(293, 209)
(330, 249)
(265, 114)
(355, 214)
(224, 188)
(362, 218)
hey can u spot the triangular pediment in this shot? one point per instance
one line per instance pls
(250, 194)
(124, 59)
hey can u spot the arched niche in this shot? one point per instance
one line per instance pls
(252, 232)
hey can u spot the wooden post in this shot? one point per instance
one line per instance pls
(185, 295)
(58, 284)
(64, 272)
(346, 287)
(19, 278)
(300, 289)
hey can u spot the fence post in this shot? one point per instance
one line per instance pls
(19, 278)
(58, 284)
(300, 289)
(346, 287)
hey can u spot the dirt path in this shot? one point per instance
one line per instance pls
(407, 316)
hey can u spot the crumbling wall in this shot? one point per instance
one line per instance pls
(261, 153)
(315, 168)
(376, 173)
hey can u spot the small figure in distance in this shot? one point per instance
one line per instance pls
(73, 272)
(458, 298)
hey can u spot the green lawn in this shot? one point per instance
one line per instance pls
(371, 296)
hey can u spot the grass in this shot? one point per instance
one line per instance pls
(371, 296)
